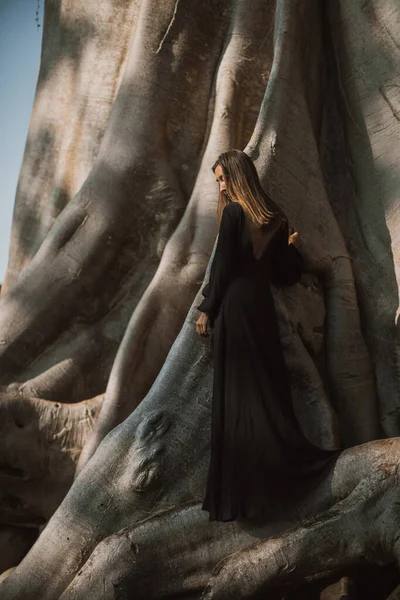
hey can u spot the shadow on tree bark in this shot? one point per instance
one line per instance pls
(100, 359)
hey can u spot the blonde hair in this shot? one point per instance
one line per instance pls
(243, 186)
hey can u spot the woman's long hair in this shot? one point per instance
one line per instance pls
(243, 185)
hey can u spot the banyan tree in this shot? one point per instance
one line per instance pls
(105, 385)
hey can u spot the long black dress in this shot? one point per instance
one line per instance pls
(258, 452)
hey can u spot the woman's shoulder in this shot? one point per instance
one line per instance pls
(278, 222)
(233, 207)
(233, 211)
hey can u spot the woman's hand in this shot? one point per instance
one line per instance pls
(295, 239)
(201, 324)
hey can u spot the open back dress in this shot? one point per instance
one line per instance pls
(259, 454)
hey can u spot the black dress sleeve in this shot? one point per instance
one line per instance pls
(223, 262)
(286, 262)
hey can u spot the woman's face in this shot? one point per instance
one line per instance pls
(219, 176)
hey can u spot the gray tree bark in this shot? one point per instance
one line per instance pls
(105, 386)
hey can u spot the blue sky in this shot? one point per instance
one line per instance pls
(20, 43)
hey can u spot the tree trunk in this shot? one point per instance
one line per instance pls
(105, 385)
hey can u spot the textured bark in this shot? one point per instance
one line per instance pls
(242, 561)
(103, 378)
(40, 444)
(366, 51)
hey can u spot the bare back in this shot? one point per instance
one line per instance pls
(261, 237)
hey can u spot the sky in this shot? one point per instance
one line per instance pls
(20, 43)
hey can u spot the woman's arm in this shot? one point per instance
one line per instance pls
(223, 261)
(286, 264)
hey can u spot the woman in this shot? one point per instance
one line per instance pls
(258, 452)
